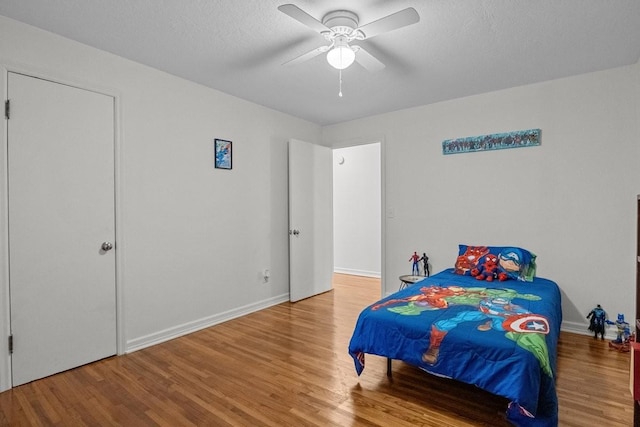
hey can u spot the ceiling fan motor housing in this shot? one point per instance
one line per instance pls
(341, 21)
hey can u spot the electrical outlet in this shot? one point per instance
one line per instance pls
(266, 274)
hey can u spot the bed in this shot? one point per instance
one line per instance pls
(498, 335)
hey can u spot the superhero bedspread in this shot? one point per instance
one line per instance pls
(499, 336)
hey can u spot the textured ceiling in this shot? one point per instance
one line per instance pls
(459, 47)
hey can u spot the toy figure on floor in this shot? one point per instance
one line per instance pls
(621, 343)
(597, 320)
(416, 268)
(425, 262)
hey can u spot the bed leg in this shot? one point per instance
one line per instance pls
(388, 366)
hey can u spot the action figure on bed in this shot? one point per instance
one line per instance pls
(489, 270)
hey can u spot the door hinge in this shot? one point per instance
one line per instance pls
(10, 344)
(7, 106)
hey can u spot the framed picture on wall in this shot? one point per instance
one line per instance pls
(222, 154)
(497, 141)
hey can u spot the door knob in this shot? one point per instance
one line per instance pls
(107, 246)
(294, 232)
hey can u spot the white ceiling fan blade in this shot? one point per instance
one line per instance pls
(368, 61)
(307, 56)
(391, 22)
(303, 17)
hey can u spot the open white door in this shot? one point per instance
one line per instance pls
(310, 219)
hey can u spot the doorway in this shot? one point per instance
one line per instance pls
(357, 202)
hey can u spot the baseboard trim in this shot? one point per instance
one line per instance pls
(190, 327)
(196, 325)
(583, 329)
(355, 272)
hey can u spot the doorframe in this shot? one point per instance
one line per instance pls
(5, 300)
(380, 139)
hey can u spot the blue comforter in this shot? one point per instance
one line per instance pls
(499, 336)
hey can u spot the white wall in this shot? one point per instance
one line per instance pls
(571, 200)
(194, 240)
(356, 210)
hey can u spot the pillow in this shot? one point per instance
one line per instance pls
(469, 258)
(518, 263)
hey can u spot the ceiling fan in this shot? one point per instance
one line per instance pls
(340, 28)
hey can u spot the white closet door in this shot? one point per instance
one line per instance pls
(61, 211)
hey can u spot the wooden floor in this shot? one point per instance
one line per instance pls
(288, 366)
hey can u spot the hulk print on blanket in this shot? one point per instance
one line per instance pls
(491, 309)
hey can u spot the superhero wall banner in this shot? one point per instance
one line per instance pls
(496, 141)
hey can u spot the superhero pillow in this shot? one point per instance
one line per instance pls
(518, 263)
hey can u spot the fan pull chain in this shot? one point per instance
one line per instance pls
(340, 88)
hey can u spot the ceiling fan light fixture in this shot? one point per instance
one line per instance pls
(341, 56)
